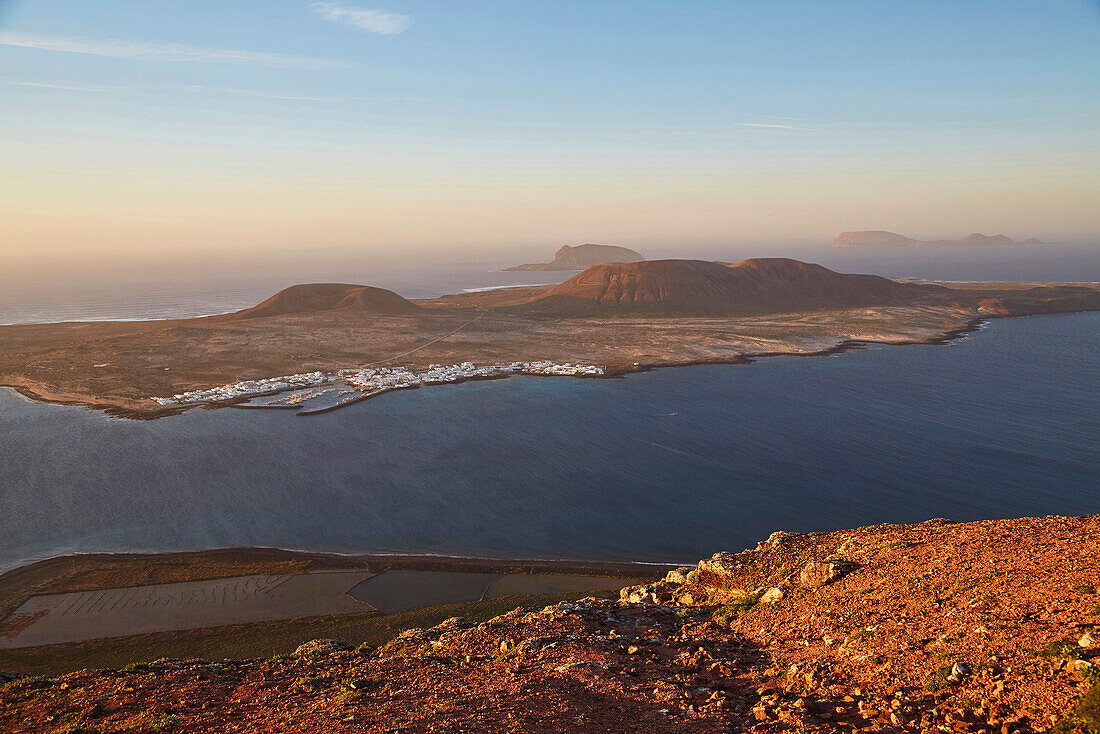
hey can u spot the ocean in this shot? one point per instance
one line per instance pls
(669, 465)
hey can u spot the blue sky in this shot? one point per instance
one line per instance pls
(289, 125)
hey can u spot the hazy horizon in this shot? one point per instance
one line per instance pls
(413, 128)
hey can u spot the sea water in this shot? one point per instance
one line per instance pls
(668, 465)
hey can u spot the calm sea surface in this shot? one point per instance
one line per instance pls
(668, 465)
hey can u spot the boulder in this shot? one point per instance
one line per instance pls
(314, 648)
(820, 573)
(662, 591)
(958, 672)
(688, 599)
(1088, 641)
(779, 537)
(713, 581)
(453, 623)
(772, 595)
(679, 575)
(721, 565)
(635, 594)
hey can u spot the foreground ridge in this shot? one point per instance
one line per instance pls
(936, 626)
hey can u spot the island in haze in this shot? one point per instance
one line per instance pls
(608, 320)
(584, 256)
(878, 238)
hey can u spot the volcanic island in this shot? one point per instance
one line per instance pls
(608, 320)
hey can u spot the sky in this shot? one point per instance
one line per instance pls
(269, 128)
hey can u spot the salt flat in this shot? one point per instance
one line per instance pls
(84, 615)
(400, 590)
(48, 619)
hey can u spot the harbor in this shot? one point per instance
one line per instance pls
(315, 393)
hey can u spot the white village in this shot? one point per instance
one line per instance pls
(366, 382)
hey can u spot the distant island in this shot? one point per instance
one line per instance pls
(610, 319)
(878, 238)
(584, 256)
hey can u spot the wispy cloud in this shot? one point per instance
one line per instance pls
(164, 51)
(773, 125)
(201, 88)
(375, 21)
(267, 95)
(65, 87)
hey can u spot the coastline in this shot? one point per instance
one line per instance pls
(846, 345)
(391, 560)
(610, 372)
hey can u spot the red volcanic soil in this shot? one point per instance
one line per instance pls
(313, 297)
(978, 628)
(759, 285)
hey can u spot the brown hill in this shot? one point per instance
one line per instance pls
(584, 256)
(678, 287)
(312, 297)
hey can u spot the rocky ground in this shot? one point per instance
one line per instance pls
(977, 627)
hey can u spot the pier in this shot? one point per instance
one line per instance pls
(343, 403)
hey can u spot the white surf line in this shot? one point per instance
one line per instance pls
(499, 287)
